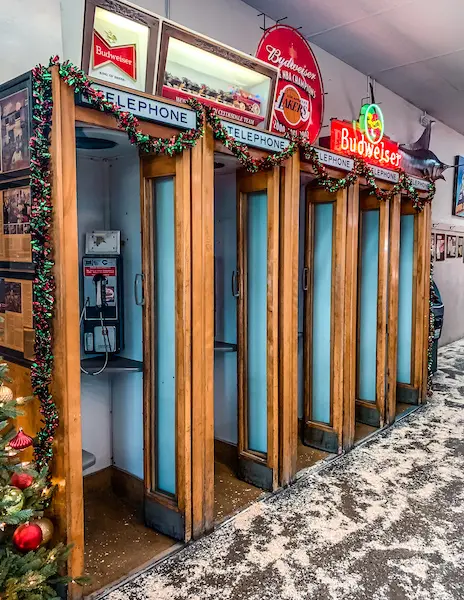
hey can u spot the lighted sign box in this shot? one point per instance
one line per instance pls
(239, 87)
(119, 44)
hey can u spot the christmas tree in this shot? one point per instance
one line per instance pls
(30, 565)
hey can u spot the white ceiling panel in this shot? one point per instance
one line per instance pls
(413, 47)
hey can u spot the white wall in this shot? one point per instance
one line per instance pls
(93, 214)
(30, 32)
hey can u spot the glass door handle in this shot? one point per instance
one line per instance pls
(305, 279)
(234, 283)
(138, 289)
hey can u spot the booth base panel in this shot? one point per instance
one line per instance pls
(116, 539)
(362, 431)
(403, 407)
(231, 494)
(307, 456)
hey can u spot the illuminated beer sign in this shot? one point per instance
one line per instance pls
(365, 138)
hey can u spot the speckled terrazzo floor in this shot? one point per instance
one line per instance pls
(384, 522)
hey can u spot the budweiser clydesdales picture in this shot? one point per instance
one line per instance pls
(239, 87)
(120, 44)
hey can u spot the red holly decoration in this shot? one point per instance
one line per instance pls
(21, 480)
(21, 440)
(27, 537)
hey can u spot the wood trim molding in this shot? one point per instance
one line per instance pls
(202, 206)
(288, 319)
(382, 310)
(393, 298)
(67, 467)
(351, 303)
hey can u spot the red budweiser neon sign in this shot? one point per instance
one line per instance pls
(346, 138)
(122, 57)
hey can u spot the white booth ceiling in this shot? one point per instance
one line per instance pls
(413, 47)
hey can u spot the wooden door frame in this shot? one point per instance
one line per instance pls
(288, 318)
(365, 408)
(169, 514)
(254, 466)
(326, 436)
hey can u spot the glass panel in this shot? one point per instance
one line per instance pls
(165, 337)
(321, 319)
(257, 320)
(405, 299)
(369, 271)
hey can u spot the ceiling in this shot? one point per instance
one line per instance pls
(413, 47)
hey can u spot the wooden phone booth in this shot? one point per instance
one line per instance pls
(408, 323)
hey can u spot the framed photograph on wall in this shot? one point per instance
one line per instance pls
(15, 126)
(458, 200)
(440, 248)
(460, 246)
(451, 243)
(432, 246)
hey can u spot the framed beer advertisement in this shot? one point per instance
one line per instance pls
(239, 87)
(120, 44)
(15, 127)
(458, 200)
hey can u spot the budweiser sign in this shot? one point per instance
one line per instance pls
(299, 105)
(119, 50)
(123, 57)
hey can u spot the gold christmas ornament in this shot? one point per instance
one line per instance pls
(13, 499)
(6, 395)
(47, 529)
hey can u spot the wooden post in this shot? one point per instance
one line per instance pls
(67, 466)
(288, 319)
(426, 312)
(392, 318)
(203, 335)
(351, 320)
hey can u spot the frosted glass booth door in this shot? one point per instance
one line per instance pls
(323, 287)
(163, 292)
(373, 255)
(256, 289)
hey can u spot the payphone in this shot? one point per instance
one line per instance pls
(102, 294)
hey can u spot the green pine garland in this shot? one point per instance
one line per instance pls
(41, 217)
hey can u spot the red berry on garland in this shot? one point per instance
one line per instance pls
(21, 440)
(27, 536)
(21, 480)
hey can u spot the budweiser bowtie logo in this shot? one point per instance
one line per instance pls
(123, 57)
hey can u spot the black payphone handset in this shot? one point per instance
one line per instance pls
(102, 311)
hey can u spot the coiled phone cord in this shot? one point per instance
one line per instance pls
(104, 337)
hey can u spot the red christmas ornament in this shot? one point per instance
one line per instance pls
(27, 537)
(21, 440)
(21, 480)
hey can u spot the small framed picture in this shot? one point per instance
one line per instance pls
(451, 242)
(458, 200)
(433, 246)
(460, 246)
(15, 127)
(440, 247)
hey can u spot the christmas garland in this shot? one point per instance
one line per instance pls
(44, 282)
(41, 211)
(431, 333)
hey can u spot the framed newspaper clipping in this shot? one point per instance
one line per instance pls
(15, 233)
(16, 322)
